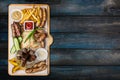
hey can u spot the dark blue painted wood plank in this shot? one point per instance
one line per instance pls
(3, 24)
(76, 57)
(80, 40)
(78, 7)
(3, 36)
(70, 7)
(74, 73)
(82, 24)
(86, 40)
(84, 57)
(3, 62)
(86, 24)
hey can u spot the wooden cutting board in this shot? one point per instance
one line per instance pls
(48, 40)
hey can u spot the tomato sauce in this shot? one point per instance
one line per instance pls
(29, 25)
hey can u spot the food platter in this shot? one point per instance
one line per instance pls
(29, 40)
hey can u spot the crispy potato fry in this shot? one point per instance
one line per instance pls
(38, 10)
(39, 16)
(24, 10)
(34, 17)
(27, 16)
(36, 14)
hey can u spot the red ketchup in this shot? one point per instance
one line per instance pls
(29, 26)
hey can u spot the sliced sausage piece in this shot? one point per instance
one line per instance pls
(13, 30)
(16, 29)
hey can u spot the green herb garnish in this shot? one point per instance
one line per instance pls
(31, 33)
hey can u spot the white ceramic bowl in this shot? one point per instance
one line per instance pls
(14, 11)
(41, 54)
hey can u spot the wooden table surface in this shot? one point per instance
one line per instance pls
(86, 39)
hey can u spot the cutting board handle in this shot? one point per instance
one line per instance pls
(50, 39)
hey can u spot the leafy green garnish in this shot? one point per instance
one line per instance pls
(31, 33)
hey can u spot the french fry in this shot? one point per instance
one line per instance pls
(38, 9)
(24, 10)
(38, 22)
(32, 17)
(27, 16)
(39, 16)
(35, 13)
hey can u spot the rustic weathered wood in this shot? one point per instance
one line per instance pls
(3, 24)
(82, 24)
(75, 73)
(76, 57)
(82, 40)
(84, 57)
(3, 44)
(78, 39)
(72, 7)
(86, 40)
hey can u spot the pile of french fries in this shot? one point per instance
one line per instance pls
(36, 14)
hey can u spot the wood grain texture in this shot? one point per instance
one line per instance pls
(82, 24)
(85, 32)
(86, 40)
(72, 57)
(86, 24)
(81, 40)
(71, 7)
(74, 73)
(84, 57)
